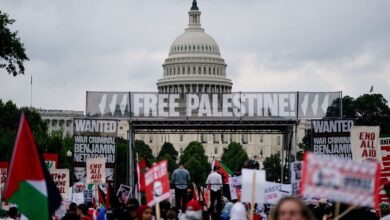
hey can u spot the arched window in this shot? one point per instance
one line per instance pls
(209, 70)
(214, 71)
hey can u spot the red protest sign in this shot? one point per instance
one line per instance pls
(347, 181)
(157, 183)
(3, 172)
(385, 173)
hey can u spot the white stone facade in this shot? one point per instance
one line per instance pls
(59, 120)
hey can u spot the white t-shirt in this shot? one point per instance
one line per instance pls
(214, 180)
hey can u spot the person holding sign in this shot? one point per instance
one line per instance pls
(214, 183)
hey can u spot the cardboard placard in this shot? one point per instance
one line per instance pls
(61, 178)
(96, 170)
(247, 185)
(365, 143)
(3, 172)
(157, 183)
(273, 192)
(51, 160)
(235, 183)
(123, 193)
(296, 175)
(347, 181)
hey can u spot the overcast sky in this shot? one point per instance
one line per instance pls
(269, 45)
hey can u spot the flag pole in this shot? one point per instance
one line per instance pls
(31, 91)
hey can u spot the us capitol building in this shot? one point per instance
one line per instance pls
(195, 65)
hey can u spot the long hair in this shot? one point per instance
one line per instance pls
(305, 211)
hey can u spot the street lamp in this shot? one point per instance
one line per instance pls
(69, 153)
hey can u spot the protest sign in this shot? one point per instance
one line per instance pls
(296, 174)
(78, 198)
(235, 183)
(96, 170)
(51, 160)
(342, 180)
(273, 192)
(60, 177)
(365, 143)
(248, 185)
(157, 183)
(94, 138)
(332, 137)
(385, 172)
(123, 193)
(3, 172)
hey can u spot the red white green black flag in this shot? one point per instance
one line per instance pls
(29, 185)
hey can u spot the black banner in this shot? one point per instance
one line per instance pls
(332, 137)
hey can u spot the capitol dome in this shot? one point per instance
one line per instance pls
(194, 63)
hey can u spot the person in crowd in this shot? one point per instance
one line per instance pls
(291, 208)
(82, 212)
(71, 213)
(238, 212)
(132, 206)
(214, 183)
(181, 179)
(164, 207)
(171, 215)
(193, 212)
(144, 212)
(13, 213)
(91, 211)
(225, 215)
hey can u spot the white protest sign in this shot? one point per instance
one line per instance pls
(96, 170)
(61, 178)
(248, 185)
(296, 175)
(347, 181)
(365, 143)
(78, 198)
(235, 183)
(273, 192)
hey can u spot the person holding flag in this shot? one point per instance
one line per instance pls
(29, 184)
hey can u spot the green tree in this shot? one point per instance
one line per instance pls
(12, 52)
(234, 156)
(143, 150)
(9, 122)
(305, 145)
(273, 168)
(122, 159)
(372, 109)
(169, 149)
(172, 165)
(196, 161)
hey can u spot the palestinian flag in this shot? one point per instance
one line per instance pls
(142, 166)
(223, 170)
(102, 197)
(29, 185)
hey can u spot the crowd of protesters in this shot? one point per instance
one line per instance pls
(187, 207)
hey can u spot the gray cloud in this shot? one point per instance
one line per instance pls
(75, 46)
